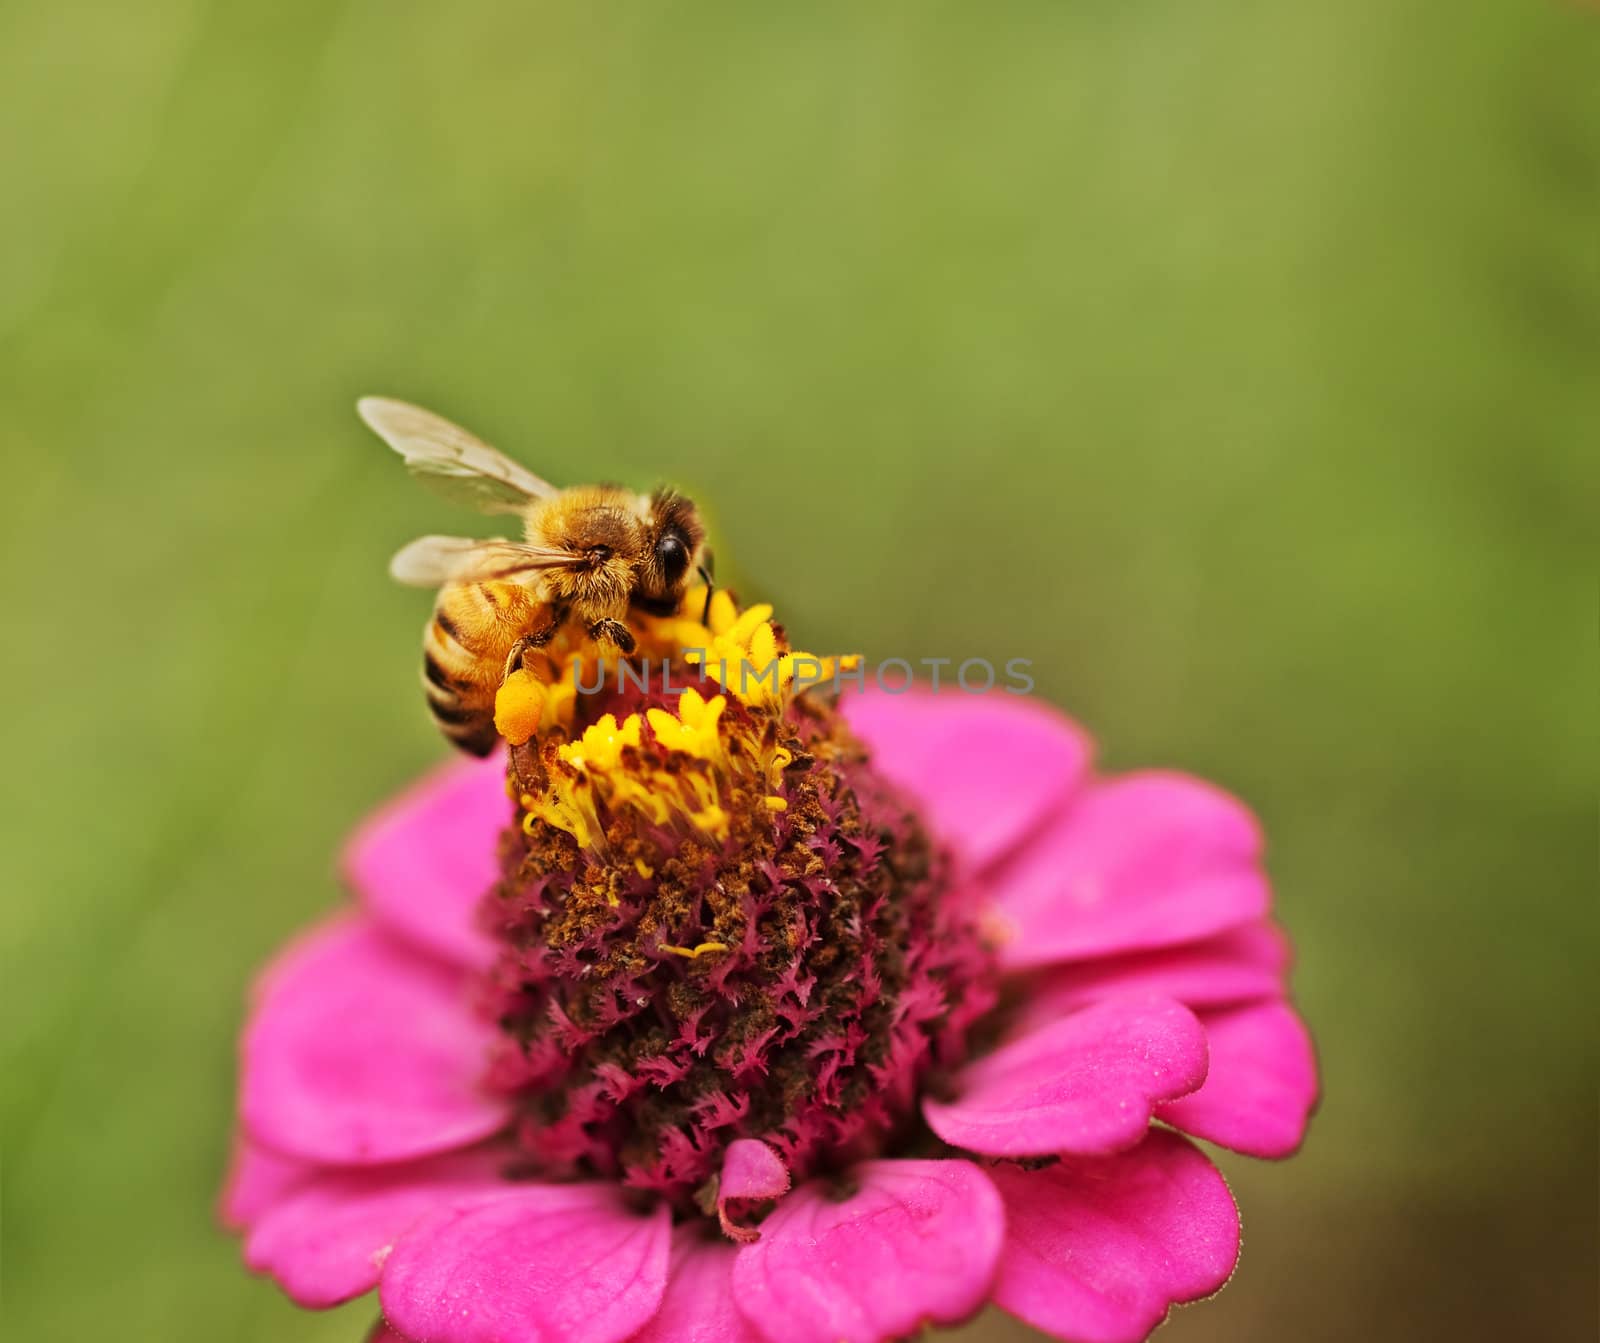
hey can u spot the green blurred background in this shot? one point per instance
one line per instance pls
(1238, 363)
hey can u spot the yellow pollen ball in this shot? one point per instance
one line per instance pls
(518, 707)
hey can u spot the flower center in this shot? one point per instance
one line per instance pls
(718, 922)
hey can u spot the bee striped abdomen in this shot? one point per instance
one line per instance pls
(464, 651)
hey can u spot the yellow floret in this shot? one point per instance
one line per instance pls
(694, 731)
(723, 611)
(606, 772)
(602, 743)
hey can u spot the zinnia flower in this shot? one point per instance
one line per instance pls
(749, 1016)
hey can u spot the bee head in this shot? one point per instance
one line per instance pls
(603, 536)
(674, 536)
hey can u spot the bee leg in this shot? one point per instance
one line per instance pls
(514, 657)
(528, 768)
(615, 632)
(534, 639)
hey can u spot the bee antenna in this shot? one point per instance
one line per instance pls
(704, 570)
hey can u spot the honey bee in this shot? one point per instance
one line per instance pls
(589, 554)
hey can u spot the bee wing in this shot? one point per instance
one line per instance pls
(433, 561)
(445, 456)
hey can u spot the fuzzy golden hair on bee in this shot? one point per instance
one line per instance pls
(591, 554)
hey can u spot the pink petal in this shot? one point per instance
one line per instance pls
(915, 1244)
(384, 1332)
(423, 863)
(986, 768)
(257, 1179)
(1239, 966)
(1145, 860)
(1098, 1248)
(750, 1170)
(1087, 1084)
(540, 1264)
(326, 1242)
(698, 1305)
(359, 1050)
(1262, 1086)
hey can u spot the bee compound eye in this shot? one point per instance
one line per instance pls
(673, 556)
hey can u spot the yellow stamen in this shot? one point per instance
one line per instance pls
(713, 820)
(694, 953)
